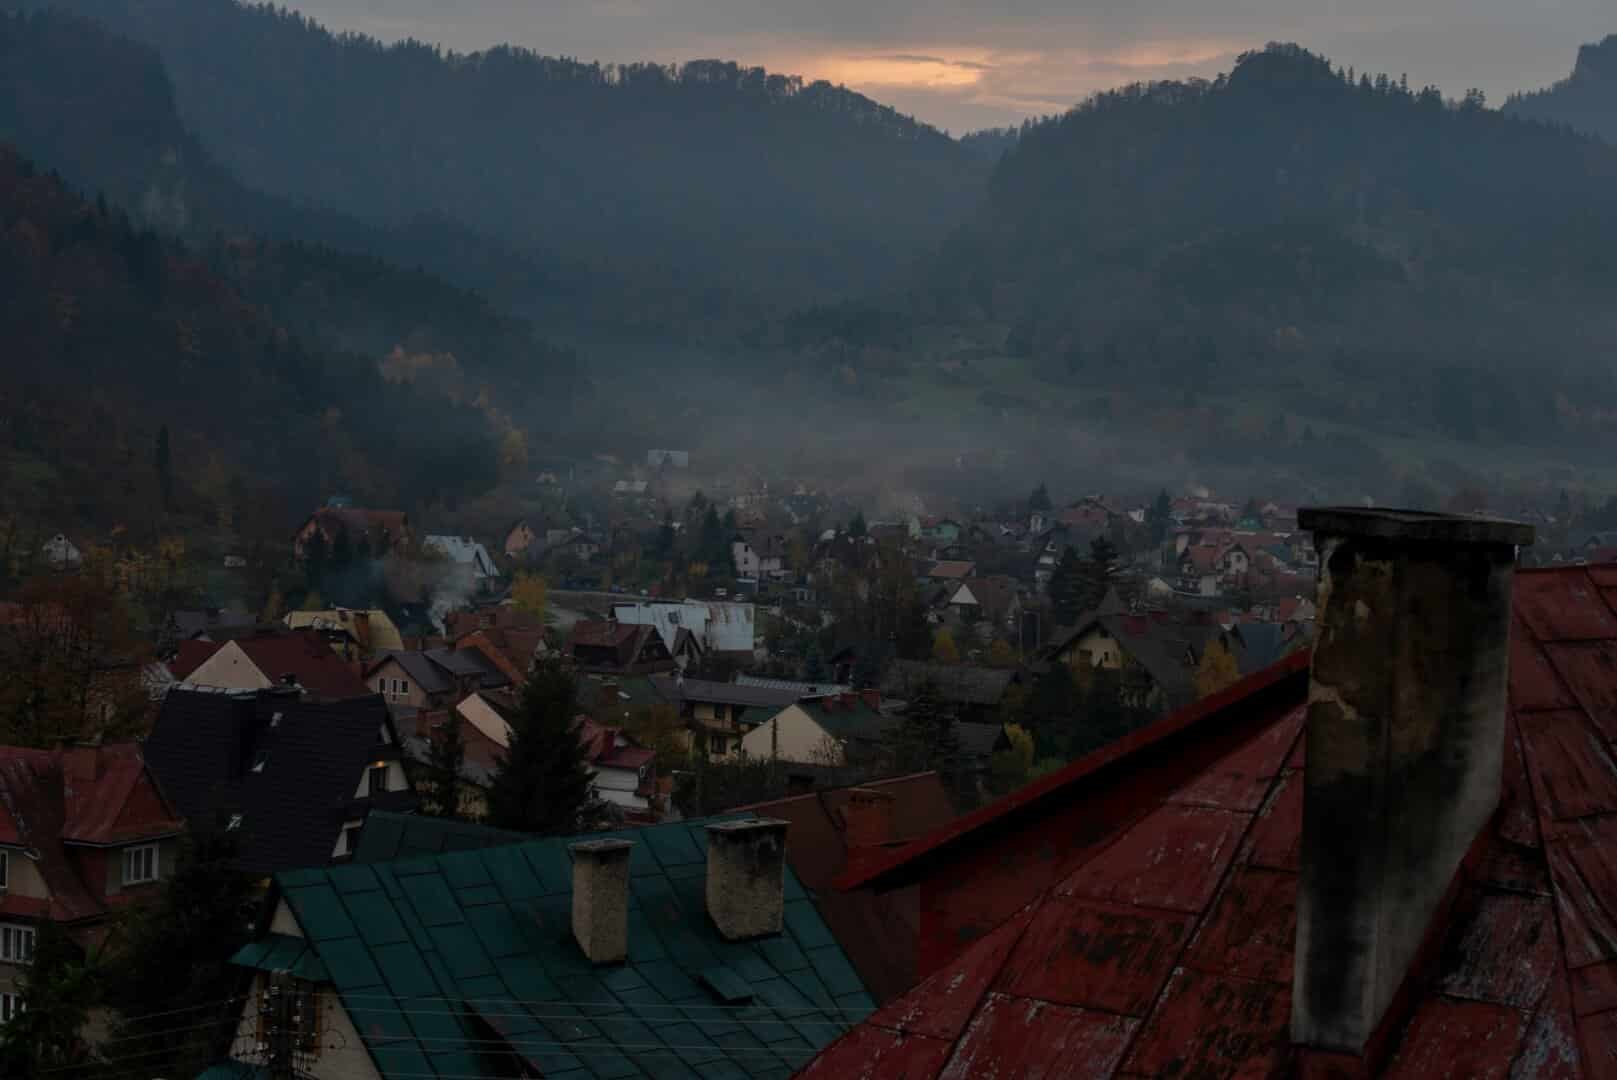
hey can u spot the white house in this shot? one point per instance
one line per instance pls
(61, 553)
(469, 557)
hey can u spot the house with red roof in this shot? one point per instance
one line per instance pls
(610, 647)
(1394, 857)
(376, 530)
(83, 831)
(269, 658)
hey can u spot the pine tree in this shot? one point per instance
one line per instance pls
(1160, 518)
(1066, 589)
(446, 757)
(1096, 573)
(857, 527)
(165, 469)
(542, 782)
(1039, 501)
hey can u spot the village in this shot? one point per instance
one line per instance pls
(817, 770)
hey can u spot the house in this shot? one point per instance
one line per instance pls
(61, 553)
(726, 628)
(83, 832)
(433, 678)
(623, 773)
(945, 531)
(834, 731)
(720, 714)
(470, 561)
(1155, 655)
(949, 572)
(618, 648)
(676, 950)
(975, 694)
(271, 658)
(766, 560)
(669, 459)
(375, 530)
(352, 634)
(1205, 897)
(521, 541)
(292, 778)
(993, 600)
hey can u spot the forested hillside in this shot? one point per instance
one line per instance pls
(1308, 243)
(114, 334)
(1586, 100)
(741, 178)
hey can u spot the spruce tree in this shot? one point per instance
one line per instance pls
(165, 469)
(446, 757)
(1067, 589)
(542, 781)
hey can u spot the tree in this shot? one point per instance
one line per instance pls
(665, 536)
(857, 527)
(944, 650)
(314, 560)
(1097, 572)
(542, 781)
(1159, 519)
(165, 471)
(1039, 501)
(1002, 655)
(1067, 589)
(1012, 767)
(926, 740)
(530, 594)
(1216, 671)
(446, 757)
(58, 989)
(174, 953)
(713, 545)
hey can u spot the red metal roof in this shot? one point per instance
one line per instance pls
(192, 655)
(1165, 948)
(306, 657)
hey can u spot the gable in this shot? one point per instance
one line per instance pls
(229, 667)
(963, 596)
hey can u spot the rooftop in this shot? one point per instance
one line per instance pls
(1163, 943)
(446, 961)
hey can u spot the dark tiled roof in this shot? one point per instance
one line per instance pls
(954, 683)
(849, 717)
(204, 746)
(430, 677)
(1166, 946)
(604, 633)
(388, 836)
(978, 740)
(444, 962)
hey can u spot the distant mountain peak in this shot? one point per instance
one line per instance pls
(1597, 62)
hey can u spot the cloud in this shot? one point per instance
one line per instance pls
(961, 63)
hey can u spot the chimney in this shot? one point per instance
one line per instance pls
(601, 899)
(867, 818)
(746, 877)
(872, 699)
(1405, 735)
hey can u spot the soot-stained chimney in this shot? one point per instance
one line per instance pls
(1406, 727)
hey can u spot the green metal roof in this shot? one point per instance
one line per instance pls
(441, 959)
(234, 1070)
(282, 952)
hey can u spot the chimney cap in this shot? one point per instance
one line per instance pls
(1415, 526)
(600, 848)
(747, 825)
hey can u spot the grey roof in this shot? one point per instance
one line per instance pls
(678, 690)
(422, 671)
(1262, 644)
(801, 689)
(953, 683)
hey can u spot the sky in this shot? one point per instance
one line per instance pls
(968, 64)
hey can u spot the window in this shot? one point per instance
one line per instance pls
(404, 687)
(717, 744)
(140, 864)
(5, 870)
(376, 779)
(350, 839)
(16, 944)
(10, 1006)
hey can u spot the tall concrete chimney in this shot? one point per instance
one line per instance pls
(1406, 728)
(746, 877)
(601, 899)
